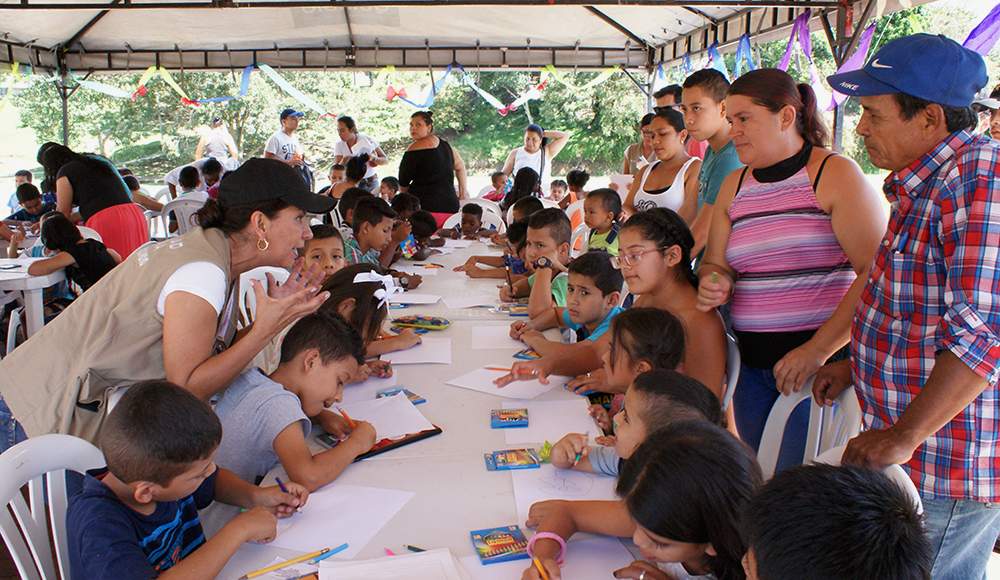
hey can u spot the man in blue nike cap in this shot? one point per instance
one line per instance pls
(925, 342)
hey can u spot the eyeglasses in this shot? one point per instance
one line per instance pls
(632, 259)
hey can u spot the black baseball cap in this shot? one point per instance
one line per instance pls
(265, 179)
(291, 113)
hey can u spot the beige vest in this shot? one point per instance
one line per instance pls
(111, 336)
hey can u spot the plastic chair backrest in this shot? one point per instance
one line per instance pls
(828, 426)
(248, 300)
(163, 193)
(580, 234)
(487, 205)
(88, 233)
(12, 326)
(895, 472)
(573, 208)
(41, 462)
(484, 191)
(185, 210)
(732, 370)
(489, 220)
(548, 202)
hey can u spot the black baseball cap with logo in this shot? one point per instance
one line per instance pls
(265, 179)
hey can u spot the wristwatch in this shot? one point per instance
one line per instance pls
(543, 262)
(404, 281)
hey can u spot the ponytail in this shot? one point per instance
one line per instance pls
(811, 125)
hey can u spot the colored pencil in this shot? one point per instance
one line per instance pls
(541, 570)
(388, 552)
(349, 420)
(285, 489)
(263, 571)
(506, 370)
(414, 548)
(579, 454)
(336, 550)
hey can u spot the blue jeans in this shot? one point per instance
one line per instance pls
(755, 394)
(11, 432)
(962, 533)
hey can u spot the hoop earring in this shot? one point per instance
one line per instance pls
(266, 245)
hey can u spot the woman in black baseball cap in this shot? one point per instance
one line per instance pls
(169, 311)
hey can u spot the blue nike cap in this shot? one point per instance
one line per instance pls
(929, 67)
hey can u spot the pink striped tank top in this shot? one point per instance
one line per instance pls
(792, 271)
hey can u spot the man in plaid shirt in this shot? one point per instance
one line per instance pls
(925, 344)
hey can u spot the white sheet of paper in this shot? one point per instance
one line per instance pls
(450, 243)
(445, 250)
(482, 380)
(392, 417)
(547, 482)
(550, 421)
(414, 269)
(494, 337)
(338, 513)
(594, 559)
(365, 391)
(430, 350)
(471, 301)
(288, 572)
(411, 298)
(430, 565)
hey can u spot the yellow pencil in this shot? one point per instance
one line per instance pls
(263, 571)
(541, 570)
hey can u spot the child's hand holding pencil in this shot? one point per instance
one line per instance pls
(281, 502)
(568, 451)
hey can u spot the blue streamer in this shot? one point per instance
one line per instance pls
(437, 88)
(715, 60)
(244, 88)
(744, 54)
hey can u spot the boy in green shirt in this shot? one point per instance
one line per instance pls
(546, 253)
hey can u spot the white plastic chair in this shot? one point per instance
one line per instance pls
(581, 234)
(828, 427)
(248, 300)
(895, 473)
(87, 233)
(485, 191)
(732, 370)
(548, 202)
(12, 326)
(573, 208)
(489, 220)
(41, 462)
(185, 210)
(487, 204)
(163, 194)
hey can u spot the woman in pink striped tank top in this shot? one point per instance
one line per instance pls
(791, 248)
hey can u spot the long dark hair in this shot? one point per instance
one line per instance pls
(647, 334)
(690, 482)
(368, 313)
(774, 90)
(356, 167)
(525, 184)
(665, 228)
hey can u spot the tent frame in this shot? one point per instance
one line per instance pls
(763, 19)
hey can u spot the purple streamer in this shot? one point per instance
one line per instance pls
(787, 57)
(985, 35)
(854, 63)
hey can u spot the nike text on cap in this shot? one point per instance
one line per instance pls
(929, 67)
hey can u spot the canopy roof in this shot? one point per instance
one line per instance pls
(131, 35)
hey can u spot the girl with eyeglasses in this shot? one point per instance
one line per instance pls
(655, 258)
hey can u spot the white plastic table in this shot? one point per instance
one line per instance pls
(454, 492)
(31, 286)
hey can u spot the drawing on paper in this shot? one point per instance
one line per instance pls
(563, 486)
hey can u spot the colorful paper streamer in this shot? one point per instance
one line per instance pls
(984, 36)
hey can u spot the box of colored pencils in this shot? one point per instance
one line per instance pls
(508, 418)
(512, 459)
(500, 544)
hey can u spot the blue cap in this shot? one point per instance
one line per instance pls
(932, 68)
(291, 113)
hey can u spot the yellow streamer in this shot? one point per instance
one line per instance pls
(551, 70)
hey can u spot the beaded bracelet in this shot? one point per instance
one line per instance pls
(549, 536)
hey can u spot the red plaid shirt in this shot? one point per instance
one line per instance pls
(935, 285)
